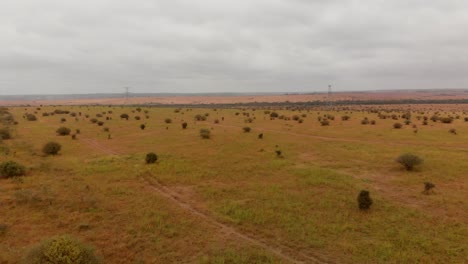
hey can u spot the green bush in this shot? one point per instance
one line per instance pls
(61, 250)
(409, 160)
(51, 148)
(364, 200)
(63, 131)
(205, 133)
(11, 169)
(151, 158)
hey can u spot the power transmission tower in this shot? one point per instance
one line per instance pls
(126, 94)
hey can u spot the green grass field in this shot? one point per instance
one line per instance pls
(231, 198)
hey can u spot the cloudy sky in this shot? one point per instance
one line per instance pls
(89, 46)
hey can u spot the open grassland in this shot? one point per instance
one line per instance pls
(236, 198)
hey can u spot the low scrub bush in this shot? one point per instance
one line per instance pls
(11, 169)
(63, 131)
(62, 250)
(52, 148)
(409, 161)
(205, 133)
(151, 158)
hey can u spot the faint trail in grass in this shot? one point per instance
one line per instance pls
(94, 144)
(284, 252)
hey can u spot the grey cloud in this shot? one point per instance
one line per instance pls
(56, 46)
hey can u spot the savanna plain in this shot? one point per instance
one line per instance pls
(236, 185)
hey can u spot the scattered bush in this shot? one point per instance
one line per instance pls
(345, 118)
(93, 120)
(446, 120)
(453, 131)
(11, 169)
(63, 131)
(142, 126)
(364, 200)
(124, 116)
(31, 117)
(100, 123)
(51, 148)
(246, 129)
(428, 186)
(397, 125)
(184, 125)
(205, 133)
(260, 136)
(168, 120)
(409, 160)
(62, 250)
(151, 158)
(325, 122)
(5, 133)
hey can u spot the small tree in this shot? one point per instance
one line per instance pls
(205, 133)
(364, 200)
(63, 131)
(409, 160)
(11, 169)
(51, 148)
(151, 158)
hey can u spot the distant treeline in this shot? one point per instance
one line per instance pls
(317, 103)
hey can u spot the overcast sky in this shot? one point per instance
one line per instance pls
(89, 46)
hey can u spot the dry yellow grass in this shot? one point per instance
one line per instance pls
(230, 199)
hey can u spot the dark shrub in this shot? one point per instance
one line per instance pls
(61, 250)
(31, 117)
(184, 125)
(63, 131)
(200, 117)
(274, 115)
(124, 116)
(205, 133)
(11, 169)
(365, 121)
(78, 131)
(446, 120)
(453, 131)
(397, 125)
(93, 120)
(51, 148)
(278, 153)
(372, 122)
(409, 160)
(151, 158)
(168, 120)
(137, 117)
(246, 129)
(466, 119)
(63, 120)
(428, 186)
(5, 133)
(260, 136)
(100, 123)
(345, 118)
(364, 200)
